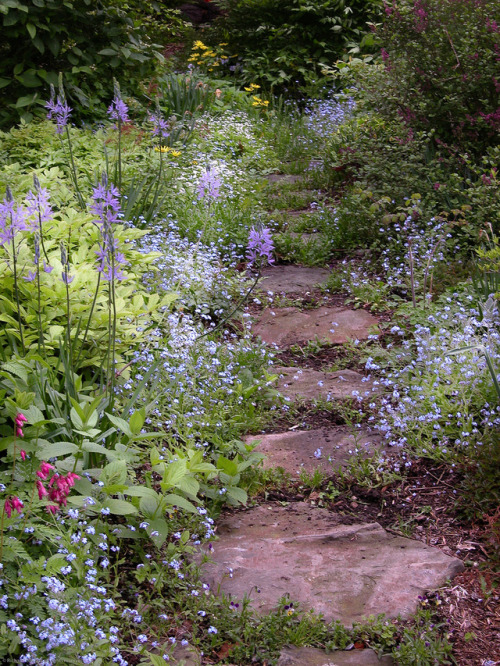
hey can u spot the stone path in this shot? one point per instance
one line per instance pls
(345, 572)
(311, 657)
(336, 325)
(307, 384)
(343, 569)
(292, 279)
(309, 450)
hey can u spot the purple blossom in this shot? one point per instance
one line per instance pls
(260, 246)
(12, 219)
(31, 277)
(58, 109)
(106, 202)
(38, 206)
(106, 206)
(160, 125)
(118, 110)
(209, 185)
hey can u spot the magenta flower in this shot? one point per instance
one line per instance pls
(44, 471)
(19, 421)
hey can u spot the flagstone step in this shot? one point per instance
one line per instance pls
(345, 572)
(289, 278)
(334, 325)
(308, 384)
(306, 656)
(323, 449)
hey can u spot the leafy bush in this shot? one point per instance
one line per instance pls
(285, 43)
(41, 38)
(441, 65)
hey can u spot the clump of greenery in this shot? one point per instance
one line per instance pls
(284, 44)
(42, 38)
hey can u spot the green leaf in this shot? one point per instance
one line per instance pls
(31, 29)
(156, 660)
(121, 424)
(26, 100)
(149, 506)
(181, 502)
(140, 491)
(120, 507)
(4, 82)
(230, 467)
(137, 421)
(56, 449)
(110, 52)
(114, 472)
(238, 495)
(159, 525)
(173, 473)
(55, 563)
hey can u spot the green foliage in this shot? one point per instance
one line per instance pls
(44, 37)
(441, 68)
(284, 44)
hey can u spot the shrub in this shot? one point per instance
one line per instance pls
(285, 42)
(41, 38)
(441, 63)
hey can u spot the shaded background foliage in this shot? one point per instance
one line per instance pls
(285, 43)
(90, 42)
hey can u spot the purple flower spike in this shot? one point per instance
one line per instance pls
(58, 110)
(12, 219)
(160, 125)
(209, 185)
(118, 110)
(260, 246)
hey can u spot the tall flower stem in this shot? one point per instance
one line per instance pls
(16, 292)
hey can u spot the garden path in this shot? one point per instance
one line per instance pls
(327, 562)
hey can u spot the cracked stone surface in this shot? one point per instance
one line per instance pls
(292, 279)
(305, 656)
(308, 384)
(346, 572)
(336, 325)
(309, 450)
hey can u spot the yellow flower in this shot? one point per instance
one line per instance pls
(162, 149)
(223, 44)
(175, 153)
(252, 87)
(199, 45)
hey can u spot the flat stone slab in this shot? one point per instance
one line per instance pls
(325, 449)
(284, 177)
(290, 279)
(308, 384)
(346, 572)
(336, 325)
(306, 656)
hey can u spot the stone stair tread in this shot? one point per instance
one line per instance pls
(290, 278)
(309, 450)
(306, 656)
(345, 572)
(335, 325)
(309, 384)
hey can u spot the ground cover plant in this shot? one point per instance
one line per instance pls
(131, 249)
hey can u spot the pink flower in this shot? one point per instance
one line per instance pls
(18, 427)
(23, 454)
(42, 490)
(44, 470)
(17, 504)
(7, 507)
(52, 509)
